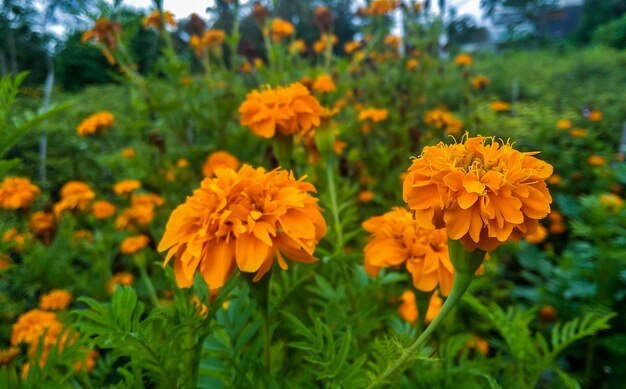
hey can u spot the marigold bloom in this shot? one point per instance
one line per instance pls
(141, 211)
(463, 60)
(393, 41)
(595, 116)
(564, 124)
(374, 114)
(55, 300)
(42, 223)
(245, 218)
(95, 123)
(126, 186)
(365, 196)
(133, 244)
(411, 64)
(281, 29)
(611, 201)
(538, 236)
(555, 179)
(324, 84)
(396, 239)
(74, 195)
(5, 261)
(480, 82)
(128, 152)
(443, 119)
(210, 40)
(35, 326)
(156, 19)
(351, 47)
(408, 308)
(596, 160)
(381, 7)
(104, 32)
(483, 192)
(102, 209)
(297, 47)
(19, 240)
(319, 45)
(218, 160)
(17, 193)
(578, 133)
(121, 278)
(478, 343)
(289, 110)
(8, 355)
(500, 106)
(547, 314)
(85, 235)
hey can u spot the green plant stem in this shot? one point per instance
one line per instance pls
(422, 300)
(460, 285)
(330, 176)
(151, 291)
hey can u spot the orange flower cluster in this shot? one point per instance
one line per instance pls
(564, 124)
(351, 47)
(245, 218)
(126, 186)
(480, 82)
(324, 84)
(578, 133)
(393, 41)
(42, 224)
(408, 308)
(443, 119)
(596, 160)
(381, 7)
(289, 110)
(210, 40)
(219, 160)
(95, 123)
(140, 213)
(104, 32)
(556, 223)
(319, 46)
(483, 192)
(121, 278)
(5, 261)
(611, 201)
(374, 114)
(156, 19)
(37, 325)
(397, 239)
(281, 29)
(297, 47)
(55, 300)
(500, 106)
(463, 60)
(102, 209)
(74, 195)
(538, 236)
(13, 236)
(411, 64)
(134, 244)
(595, 116)
(17, 193)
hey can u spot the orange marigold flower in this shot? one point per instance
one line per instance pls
(156, 19)
(85, 235)
(289, 110)
(89, 363)
(141, 211)
(74, 195)
(443, 119)
(595, 116)
(37, 326)
(281, 29)
(297, 47)
(611, 201)
(500, 106)
(578, 133)
(564, 124)
(102, 209)
(133, 244)
(411, 64)
(478, 343)
(374, 114)
(12, 235)
(393, 41)
(547, 314)
(55, 300)
(42, 223)
(245, 218)
(408, 308)
(121, 278)
(366, 196)
(17, 193)
(324, 84)
(596, 160)
(95, 123)
(104, 32)
(555, 179)
(319, 45)
(351, 47)
(396, 239)
(128, 152)
(538, 236)
(480, 82)
(463, 60)
(381, 7)
(219, 160)
(126, 186)
(5, 261)
(7, 355)
(484, 193)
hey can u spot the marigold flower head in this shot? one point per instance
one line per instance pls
(463, 60)
(480, 82)
(74, 195)
(104, 32)
(365, 196)
(17, 193)
(19, 240)
(297, 47)
(578, 133)
(500, 106)
(128, 152)
(55, 300)
(37, 326)
(411, 64)
(351, 47)
(596, 160)
(5, 261)
(135, 215)
(443, 119)
(42, 223)
(95, 123)
(393, 41)
(555, 179)
(479, 344)
(156, 19)
(323, 18)
(126, 186)
(538, 236)
(281, 29)
(374, 114)
(319, 45)
(324, 84)
(381, 7)
(218, 160)
(133, 244)
(102, 209)
(121, 278)
(611, 201)
(396, 239)
(595, 116)
(564, 124)
(8, 355)
(242, 218)
(289, 110)
(484, 192)
(408, 308)
(82, 235)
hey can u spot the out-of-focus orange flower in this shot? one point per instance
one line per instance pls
(126, 186)
(595, 116)
(55, 300)
(547, 314)
(74, 195)
(365, 196)
(147, 199)
(411, 64)
(323, 18)
(19, 240)
(156, 19)
(611, 201)
(5, 261)
(479, 344)
(210, 40)
(102, 209)
(351, 46)
(408, 308)
(95, 123)
(246, 67)
(260, 13)
(393, 41)
(463, 60)
(480, 82)
(80, 235)
(104, 32)
(538, 236)
(17, 193)
(246, 218)
(217, 160)
(141, 211)
(374, 114)
(381, 7)
(443, 119)
(297, 47)
(396, 239)
(42, 223)
(555, 179)
(324, 84)
(484, 193)
(578, 133)
(556, 223)
(500, 106)
(7, 355)
(128, 152)
(289, 110)
(564, 124)
(281, 29)
(596, 160)
(36, 326)
(182, 163)
(319, 46)
(133, 244)
(258, 63)
(89, 363)
(121, 278)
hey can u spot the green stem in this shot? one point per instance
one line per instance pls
(330, 176)
(146, 280)
(460, 285)
(422, 300)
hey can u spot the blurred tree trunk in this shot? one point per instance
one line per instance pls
(43, 140)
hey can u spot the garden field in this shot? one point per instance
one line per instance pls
(304, 213)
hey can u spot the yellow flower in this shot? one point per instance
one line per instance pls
(463, 60)
(396, 239)
(245, 219)
(55, 300)
(324, 84)
(596, 160)
(289, 110)
(408, 308)
(156, 19)
(17, 193)
(564, 124)
(219, 160)
(611, 201)
(483, 192)
(281, 29)
(133, 244)
(102, 209)
(500, 106)
(95, 123)
(126, 186)
(374, 114)
(480, 82)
